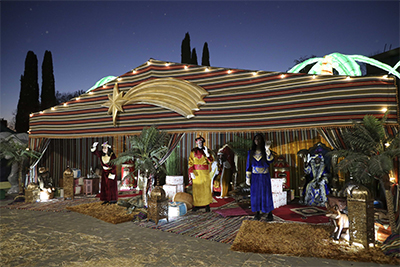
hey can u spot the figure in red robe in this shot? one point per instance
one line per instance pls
(109, 187)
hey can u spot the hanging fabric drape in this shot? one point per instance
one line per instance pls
(334, 136)
(173, 142)
(43, 145)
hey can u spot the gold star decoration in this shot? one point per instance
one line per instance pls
(115, 103)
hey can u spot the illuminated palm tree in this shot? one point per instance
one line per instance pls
(344, 64)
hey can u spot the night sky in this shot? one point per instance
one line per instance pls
(93, 39)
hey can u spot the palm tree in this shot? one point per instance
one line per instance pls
(145, 151)
(19, 154)
(369, 155)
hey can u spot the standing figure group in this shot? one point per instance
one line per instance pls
(257, 176)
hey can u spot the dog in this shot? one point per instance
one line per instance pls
(340, 220)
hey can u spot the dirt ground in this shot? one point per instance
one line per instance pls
(35, 238)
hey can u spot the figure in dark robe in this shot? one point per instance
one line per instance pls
(109, 186)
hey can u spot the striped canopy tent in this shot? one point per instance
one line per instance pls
(294, 110)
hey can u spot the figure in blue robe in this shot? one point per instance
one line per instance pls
(258, 177)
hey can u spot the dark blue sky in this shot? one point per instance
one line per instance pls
(92, 39)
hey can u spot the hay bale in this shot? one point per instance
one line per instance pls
(304, 240)
(110, 213)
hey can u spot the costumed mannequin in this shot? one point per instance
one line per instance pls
(109, 187)
(223, 175)
(317, 189)
(258, 177)
(199, 175)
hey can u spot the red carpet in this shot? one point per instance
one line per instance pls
(286, 213)
(231, 212)
(221, 201)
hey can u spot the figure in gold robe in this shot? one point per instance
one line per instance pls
(199, 175)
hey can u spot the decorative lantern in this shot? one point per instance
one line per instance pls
(282, 170)
(157, 205)
(361, 216)
(69, 183)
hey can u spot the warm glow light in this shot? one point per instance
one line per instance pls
(53, 108)
(78, 98)
(186, 67)
(384, 76)
(91, 93)
(167, 64)
(384, 109)
(282, 75)
(229, 71)
(134, 71)
(31, 115)
(65, 104)
(44, 195)
(348, 78)
(148, 62)
(207, 69)
(314, 76)
(254, 73)
(41, 112)
(104, 86)
(119, 79)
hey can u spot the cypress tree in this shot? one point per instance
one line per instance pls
(205, 59)
(194, 57)
(185, 49)
(29, 93)
(48, 96)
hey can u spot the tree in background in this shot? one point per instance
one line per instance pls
(185, 50)
(205, 59)
(48, 95)
(29, 94)
(194, 57)
(64, 97)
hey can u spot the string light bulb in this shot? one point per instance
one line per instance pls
(348, 78)
(282, 76)
(65, 104)
(186, 67)
(53, 108)
(119, 79)
(229, 71)
(254, 73)
(314, 76)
